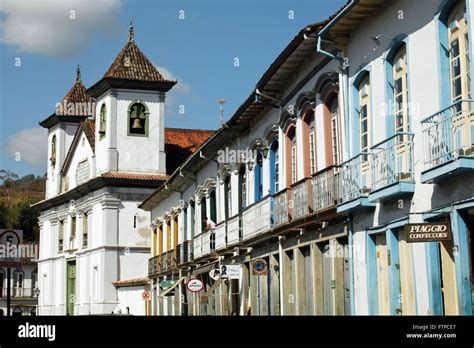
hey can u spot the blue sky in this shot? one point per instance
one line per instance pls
(48, 38)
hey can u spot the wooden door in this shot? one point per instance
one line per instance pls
(70, 287)
(448, 278)
(407, 300)
(383, 290)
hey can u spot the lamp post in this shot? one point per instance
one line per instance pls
(37, 293)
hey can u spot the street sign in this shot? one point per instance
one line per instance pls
(166, 284)
(231, 271)
(195, 285)
(10, 240)
(215, 274)
(428, 232)
(146, 295)
(259, 267)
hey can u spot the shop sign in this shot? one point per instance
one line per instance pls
(195, 285)
(428, 232)
(259, 267)
(166, 284)
(231, 271)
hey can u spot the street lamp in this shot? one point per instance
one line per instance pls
(37, 292)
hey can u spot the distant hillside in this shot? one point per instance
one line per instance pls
(16, 196)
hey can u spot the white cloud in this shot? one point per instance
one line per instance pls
(181, 89)
(29, 145)
(47, 26)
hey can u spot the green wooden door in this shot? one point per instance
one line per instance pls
(71, 287)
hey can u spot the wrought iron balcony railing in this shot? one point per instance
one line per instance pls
(184, 252)
(197, 241)
(256, 218)
(353, 178)
(19, 292)
(449, 134)
(154, 265)
(234, 234)
(392, 161)
(282, 208)
(302, 198)
(221, 235)
(208, 242)
(324, 189)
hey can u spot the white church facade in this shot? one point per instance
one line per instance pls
(107, 152)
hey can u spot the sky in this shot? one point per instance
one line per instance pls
(194, 42)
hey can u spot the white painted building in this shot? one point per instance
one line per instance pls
(362, 126)
(103, 160)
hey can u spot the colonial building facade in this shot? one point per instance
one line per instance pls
(108, 150)
(361, 126)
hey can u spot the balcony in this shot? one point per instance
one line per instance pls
(448, 140)
(154, 266)
(353, 183)
(170, 263)
(281, 206)
(208, 242)
(324, 190)
(234, 235)
(185, 252)
(18, 292)
(221, 235)
(197, 246)
(302, 198)
(392, 168)
(257, 218)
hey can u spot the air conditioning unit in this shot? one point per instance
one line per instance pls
(454, 25)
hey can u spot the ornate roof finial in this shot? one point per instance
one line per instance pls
(130, 32)
(78, 73)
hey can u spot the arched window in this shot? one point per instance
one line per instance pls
(34, 282)
(175, 233)
(18, 278)
(291, 155)
(192, 218)
(242, 188)
(258, 176)
(227, 197)
(458, 37)
(203, 214)
(53, 151)
(309, 142)
(274, 167)
(400, 91)
(168, 235)
(160, 239)
(334, 117)
(102, 121)
(364, 115)
(138, 119)
(212, 206)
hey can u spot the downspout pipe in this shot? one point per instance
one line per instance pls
(280, 257)
(345, 76)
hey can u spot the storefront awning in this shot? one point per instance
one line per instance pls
(204, 269)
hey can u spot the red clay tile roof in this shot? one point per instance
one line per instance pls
(135, 176)
(180, 143)
(132, 64)
(78, 98)
(131, 282)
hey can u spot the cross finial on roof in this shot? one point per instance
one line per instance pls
(130, 32)
(78, 73)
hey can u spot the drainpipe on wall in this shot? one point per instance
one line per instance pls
(345, 74)
(280, 256)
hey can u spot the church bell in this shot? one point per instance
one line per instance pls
(137, 124)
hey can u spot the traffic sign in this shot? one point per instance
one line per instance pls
(259, 267)
(146, 295)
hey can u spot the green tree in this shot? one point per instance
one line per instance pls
(28, 221)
